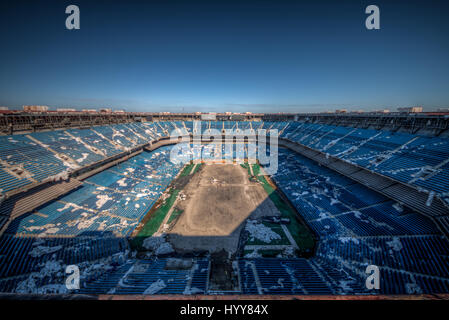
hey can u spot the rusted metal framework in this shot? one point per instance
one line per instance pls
(393, 121)
(16, 122)
(279, 117)
(20, 122)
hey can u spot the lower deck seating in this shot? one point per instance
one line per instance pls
(358, 227)
(113, 201)
(23, 255)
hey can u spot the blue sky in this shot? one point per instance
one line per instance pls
(260, 56)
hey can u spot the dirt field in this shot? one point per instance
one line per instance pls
(219, 198)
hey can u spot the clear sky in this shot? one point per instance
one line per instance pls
(260, 56)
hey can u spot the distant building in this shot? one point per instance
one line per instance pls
(35, 108)
(65, 110)
(89, 110)
(341, 111)
(4, 108)
(209, 116)
(382, 111)
(106, 110)
(237, 117)
(410, 109)
(119, 111)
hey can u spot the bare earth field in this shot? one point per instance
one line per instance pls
(219, 198)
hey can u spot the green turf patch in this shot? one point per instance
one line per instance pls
(245, 252)
(198, 167)
(256, 169)
(175, 214)
(187, 169)
(302, 236)
(153, 224)
(245, 165)
(158, 215)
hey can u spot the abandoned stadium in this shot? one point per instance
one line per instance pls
(103, 194)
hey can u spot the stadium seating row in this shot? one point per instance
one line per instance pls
(113, 201)
(420, 161)
(358, 227)
(35, 157)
